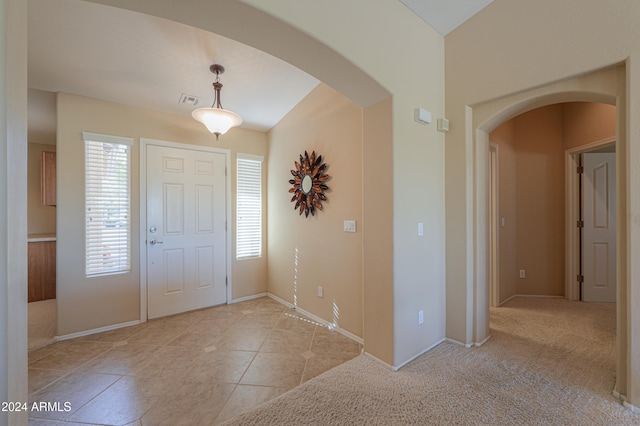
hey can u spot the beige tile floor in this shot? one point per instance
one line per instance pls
(196, 368)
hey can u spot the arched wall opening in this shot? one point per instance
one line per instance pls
(246, 24)
(604, 86)
(537, 246)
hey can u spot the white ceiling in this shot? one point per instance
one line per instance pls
(446, 15)
(126, 57)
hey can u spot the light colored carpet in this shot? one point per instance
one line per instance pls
(42, 323)
(549, 362)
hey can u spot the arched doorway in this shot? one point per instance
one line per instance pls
(533, 207)
(605, 86)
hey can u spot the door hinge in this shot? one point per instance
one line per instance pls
(580, 224)
(226, 281)
(580, 278)
(225, 225)
(580, 169)
(225, 170)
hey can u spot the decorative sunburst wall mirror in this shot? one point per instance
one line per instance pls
(308, 184)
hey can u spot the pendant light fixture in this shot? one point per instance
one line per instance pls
(216, 119)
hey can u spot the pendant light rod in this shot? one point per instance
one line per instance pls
(217, 69)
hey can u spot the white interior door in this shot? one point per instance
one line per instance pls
(599, 237)
(186, 220)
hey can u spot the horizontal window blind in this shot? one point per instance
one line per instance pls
(108, 204)
(249, 207)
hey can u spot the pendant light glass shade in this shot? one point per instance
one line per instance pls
(217, 120)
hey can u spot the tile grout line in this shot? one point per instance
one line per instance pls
(306, 362)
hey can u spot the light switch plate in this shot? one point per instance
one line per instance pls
(349, 226)
(422, 116)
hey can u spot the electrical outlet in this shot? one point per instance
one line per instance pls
(420, 317)
(522, 273)
(320, 291)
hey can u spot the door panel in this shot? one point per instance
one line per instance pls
(173, 271)
(186, 236)
(173, 204)
(204, 209)
(204, 267)
(599, 213)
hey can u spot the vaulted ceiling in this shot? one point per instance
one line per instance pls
(126, 57)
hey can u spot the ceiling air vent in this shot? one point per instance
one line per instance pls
(189, 100)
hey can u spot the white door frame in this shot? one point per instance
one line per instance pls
(144, 142)
(494, 225)
(572, 215)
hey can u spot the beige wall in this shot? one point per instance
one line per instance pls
(540, 201)
(41, 219)
(377, 221)
(414, 77)
(85, 304)
(42, 117)
(488, 63)
(331, 125)
(587, 122)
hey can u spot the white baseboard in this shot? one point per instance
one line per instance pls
(244, 299)
(459, 343)
(508, 299)
(624, 402)
(483, 342)
(538, 296)
(96, 330)
(468, 345)
(618, 395)
(399, 366)
(631, 407)
(381, 362)
(317, 319)
(531, 296)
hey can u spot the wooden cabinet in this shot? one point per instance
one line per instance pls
(42, 270)
(48, 176)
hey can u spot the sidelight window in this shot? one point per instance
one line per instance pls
(249, 206)
(107, 204)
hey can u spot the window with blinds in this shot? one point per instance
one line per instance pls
(107, 204)
(249, 206)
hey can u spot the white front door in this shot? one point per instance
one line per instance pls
(186, 241)
(599, 237)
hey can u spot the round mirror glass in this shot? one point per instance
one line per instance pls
(307, 184)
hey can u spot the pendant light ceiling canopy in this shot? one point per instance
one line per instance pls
(217, 120)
